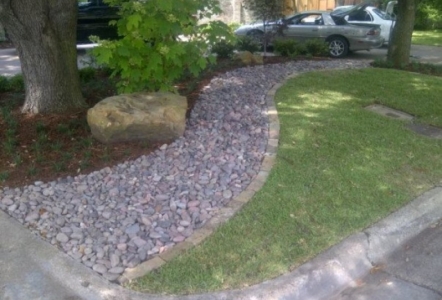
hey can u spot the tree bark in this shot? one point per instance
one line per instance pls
(400, 43)
(44, 32)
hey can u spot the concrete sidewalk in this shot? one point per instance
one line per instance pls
(397, 258)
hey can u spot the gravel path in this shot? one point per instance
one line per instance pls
(118, 217)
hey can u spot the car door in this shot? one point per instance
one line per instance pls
(305, 26)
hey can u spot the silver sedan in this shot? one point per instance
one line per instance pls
(341, 36)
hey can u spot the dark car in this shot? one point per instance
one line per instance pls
(93, 19)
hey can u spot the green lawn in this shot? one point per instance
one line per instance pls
(339, 169)
(428, 38)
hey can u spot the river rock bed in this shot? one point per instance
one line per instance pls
(120, 216)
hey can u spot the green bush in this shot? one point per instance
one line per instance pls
(316, 47)
(223, 49)
(16, 83)
(234, 26)
(247, 43)
(285, 47)
(87, 74)
(428, 16)
(290, 48)
(149, 55)
(4, 84)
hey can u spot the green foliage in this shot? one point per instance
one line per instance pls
(233, 26)
(417, 67)
(290, 48)
(247, 43)
(429, 15)
(4, 84)
(87, 74)
(223, 49)
(16, 83)
(152, 53)
(316, 47)
(265, 10)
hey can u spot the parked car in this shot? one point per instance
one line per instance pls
(331, 27)
(93, 19)
(371, 15)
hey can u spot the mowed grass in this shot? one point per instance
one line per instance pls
(428, 38)
(339, 169)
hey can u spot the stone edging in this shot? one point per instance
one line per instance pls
(225, 213)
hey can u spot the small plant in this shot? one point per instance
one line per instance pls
(86, 142)
(223, 49)
(84, 164)
(56, 146)
(87, 155)
(9, 145)
(18, 160)
(4, 84)
(316, 47)
(67, 156)
(62, 128)
(58, 166)
(288, 48)
(4, 175)
(32, 170)
(234, 26)
(87, 74)
(247, 43)
(16, 83)
(40, 127)
(105, 156)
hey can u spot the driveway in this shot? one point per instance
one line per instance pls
(10, 63)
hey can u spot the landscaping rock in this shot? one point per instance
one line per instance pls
(150, 117)
(248, 58)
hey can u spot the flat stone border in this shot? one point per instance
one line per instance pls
(389, 112)
(227, 212)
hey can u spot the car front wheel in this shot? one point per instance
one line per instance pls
(338, 47)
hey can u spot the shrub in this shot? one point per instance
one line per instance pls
(223, 49)
(4, 84)
(16, 83)
(285, 47)
(316, 47)
(150, 55)
(87, 74)
(290, 48)
(247, 43)
(234, 26)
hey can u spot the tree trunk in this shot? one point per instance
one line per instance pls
(400, 42)
(44, 32)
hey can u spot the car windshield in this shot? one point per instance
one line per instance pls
(382, 14)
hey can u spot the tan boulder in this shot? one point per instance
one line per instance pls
(248, 58)
(140, 116)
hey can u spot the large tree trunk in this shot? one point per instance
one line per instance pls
(44, 32)
(400, 42)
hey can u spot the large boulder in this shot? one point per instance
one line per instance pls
(142, 116)
(249, 58)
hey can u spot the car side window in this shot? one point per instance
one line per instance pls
(361, 16)
(312, 19)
